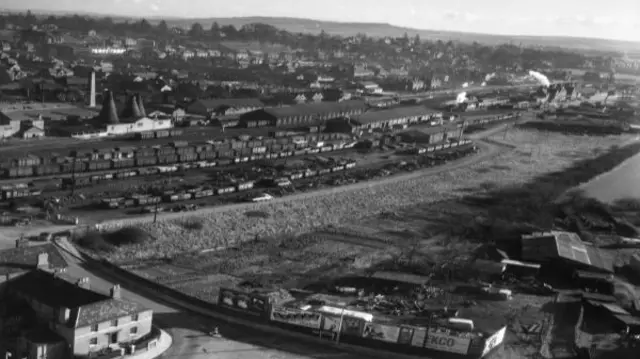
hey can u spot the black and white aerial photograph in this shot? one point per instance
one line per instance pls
(250, 179)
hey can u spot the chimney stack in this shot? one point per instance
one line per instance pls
(115, 292)
(43, 261)
(92, 89)
(84, 283)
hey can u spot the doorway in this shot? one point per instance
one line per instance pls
(113, 338)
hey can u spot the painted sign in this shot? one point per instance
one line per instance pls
(352, 326)
(248, 303)
(494, 341)
(386, 333)
(296, 316)
(406, 334)
(443, 341)
(419, 335)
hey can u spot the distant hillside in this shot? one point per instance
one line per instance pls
(382, 30)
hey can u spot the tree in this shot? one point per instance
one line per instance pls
(196, 30)
(416, 40)
(162, 27)
(215, 30)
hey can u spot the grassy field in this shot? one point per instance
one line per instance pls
(537, 153)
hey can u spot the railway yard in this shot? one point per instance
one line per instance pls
(362, 211)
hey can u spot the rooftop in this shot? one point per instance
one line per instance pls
(311, 109)
(87, 306)
(231, 102)
(394, 113)
(22, 259)
(568, 246)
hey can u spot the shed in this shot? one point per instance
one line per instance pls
(628, 323)
(302, 113)
(396, 116)
(563, 248)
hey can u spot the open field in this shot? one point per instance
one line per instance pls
(537, 153)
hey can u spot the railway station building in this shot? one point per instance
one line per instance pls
(302, 114)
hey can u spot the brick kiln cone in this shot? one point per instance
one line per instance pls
(143, 112)
(131, 109)
(108, 113)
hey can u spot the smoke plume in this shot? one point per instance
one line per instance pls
(489, 76)
(462, 97)
(540, 78)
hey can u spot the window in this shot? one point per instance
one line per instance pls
(133, 330)
(114, 323)
(135, 317)
(94, 328)
(93, 341)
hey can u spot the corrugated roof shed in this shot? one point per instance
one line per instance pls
(597, 297)
(311, 109)
(614, 308)
(394, 113)
(213, 104)
(628, 319)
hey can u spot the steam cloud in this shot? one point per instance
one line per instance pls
(489, 77)
(540, 78)
(462, 97)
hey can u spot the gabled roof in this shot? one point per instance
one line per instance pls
(315, 108)
(86, 307)
(394, 113)
(22, 259)
(213, 104)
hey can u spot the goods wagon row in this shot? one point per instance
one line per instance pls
(198, 193)
(241, 145)
(226, 157)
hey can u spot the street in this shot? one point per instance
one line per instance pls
(189, 331)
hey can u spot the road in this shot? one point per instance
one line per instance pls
(489, 150)
(188, 330)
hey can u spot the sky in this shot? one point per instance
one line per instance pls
(612, 19)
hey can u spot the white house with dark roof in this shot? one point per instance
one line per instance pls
(44, 310)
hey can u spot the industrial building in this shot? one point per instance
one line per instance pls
(132, 119)
(12, 125)
(563, 250)
(43, 310)
(302, 114)
(396, 116)
(223, 107)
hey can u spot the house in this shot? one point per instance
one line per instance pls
(67, 310)
(563, 252)
(308, 97)
(370, 87)
(217, 107)
(302, 113)
(32, 132)
(396, 116)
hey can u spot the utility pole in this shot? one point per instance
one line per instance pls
(73, 175)
(340, 326)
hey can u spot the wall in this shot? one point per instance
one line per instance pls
(82, 336)
(141, 125)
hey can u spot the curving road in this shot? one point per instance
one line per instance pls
(240, 342)
(188, 330)
(489, 149)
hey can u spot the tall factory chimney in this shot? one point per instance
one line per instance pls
(143, 112)
(109, 113)
(92, 89)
